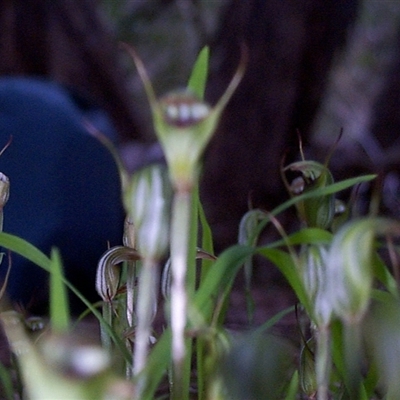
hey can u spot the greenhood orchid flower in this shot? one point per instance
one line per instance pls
(320, 210)
(184, 124)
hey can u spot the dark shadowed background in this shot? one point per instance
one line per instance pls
(315, 66)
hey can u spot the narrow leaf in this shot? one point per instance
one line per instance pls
(30, 252)
(285, 264)
(157, 363)
(323, 191)
(6, 382)
(59, 309)
(274, 320)
(220, 276)
(198, 78)
(25, 249)
(293, 387)
(304, 236)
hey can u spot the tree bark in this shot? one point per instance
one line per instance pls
(291, 45)
(70, 43)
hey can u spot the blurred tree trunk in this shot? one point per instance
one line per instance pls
(291, 45)
(363, 98)
(67, 41)
(361, 95)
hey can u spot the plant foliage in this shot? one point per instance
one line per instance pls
(343, 271)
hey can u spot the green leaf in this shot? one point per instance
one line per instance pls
(157, 364)
(337, 349)
(25, 249)
(59, 308)
(220, 276)
(382, 273)
(206, 264)
(206, 239)
(30, 252)
(274, 320)
(322, 191)
(6, 382)
(314, 236)
(293, 387)
(285, 264)
(198, 78)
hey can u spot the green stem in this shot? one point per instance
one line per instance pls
(4, 194)
(104, 334)
(145, 311)
(130, 304)
(130, 292)
(323, 362)
(352, 348)
(180, 236)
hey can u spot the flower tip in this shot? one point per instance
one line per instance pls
(237, 78)
(141, 71)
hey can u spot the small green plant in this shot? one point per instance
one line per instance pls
(342, 270)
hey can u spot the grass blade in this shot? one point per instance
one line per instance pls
(198, 77)
(304, 236)
(284, 262)
(323, 191)
(220, 276)
(59, 306)
(25, 249)
(157, 364)
(30, 252)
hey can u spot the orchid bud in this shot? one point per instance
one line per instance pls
(4, 195)
(4, 189)
(314, 276)
(308, 378)
(108, 270)
(349, 266)
(147, 201)
(317, 211)
(312, 265)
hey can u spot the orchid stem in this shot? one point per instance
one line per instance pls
(352, 348)
(145, 311)
(323, 362)
(107, 315)
(180, 236)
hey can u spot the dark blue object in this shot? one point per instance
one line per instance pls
(64, 186)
